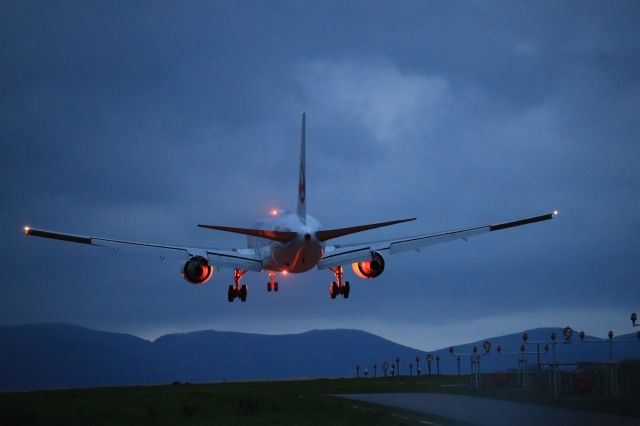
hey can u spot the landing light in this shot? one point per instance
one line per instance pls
(555, 213)
(26, 229)
(285, 272)
(274, 212)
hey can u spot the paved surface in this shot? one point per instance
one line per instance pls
(487, 411)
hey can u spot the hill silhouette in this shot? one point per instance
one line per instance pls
(48, 356)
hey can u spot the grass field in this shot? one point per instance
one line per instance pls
(303, 402)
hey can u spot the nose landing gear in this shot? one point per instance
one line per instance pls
(272, 284)
(237, 290)
(338, 287)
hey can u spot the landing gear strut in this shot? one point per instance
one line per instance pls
(338, 287)
(272, 284)
(238, 290)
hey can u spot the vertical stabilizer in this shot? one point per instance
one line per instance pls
(302, 181)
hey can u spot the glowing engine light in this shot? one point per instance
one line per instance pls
(555, 213)
(274, 212)
(27, 229)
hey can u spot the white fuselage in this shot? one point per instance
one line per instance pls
(300, 254)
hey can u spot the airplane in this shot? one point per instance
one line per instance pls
(287, 242)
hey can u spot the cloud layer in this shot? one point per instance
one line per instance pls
(138, 121)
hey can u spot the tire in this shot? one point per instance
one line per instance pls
(333, 290)
(231, 294)
(243, 292)
(275, 286)
(269, 287)
(346, 290)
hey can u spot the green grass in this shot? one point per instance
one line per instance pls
(308, 402)
(250, 403)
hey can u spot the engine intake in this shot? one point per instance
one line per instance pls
(197, 270)
(369, 269)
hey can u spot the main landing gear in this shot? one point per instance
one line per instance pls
(338, 287)
(237, 290)
(272, 284)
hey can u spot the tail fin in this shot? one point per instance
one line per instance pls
(302, 181)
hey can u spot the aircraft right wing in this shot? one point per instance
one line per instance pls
(337, 255)
(245, 259)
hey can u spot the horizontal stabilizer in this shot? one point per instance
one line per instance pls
(329, 234)
(281, 236)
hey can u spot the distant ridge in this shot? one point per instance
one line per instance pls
(48, 356)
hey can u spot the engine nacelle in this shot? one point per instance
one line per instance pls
(197, 270)
(369, 269)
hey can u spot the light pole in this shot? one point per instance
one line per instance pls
(567, 332)
(398, 365)
(375, 370)
(429, 360)
(634, 319)
(417, 366)
(438, 364)
(475, 362)
(357, 371)
(523, 363)
(611, 363)
(385, 368)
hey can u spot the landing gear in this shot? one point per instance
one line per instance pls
(237, 290)
(272, 284)
(338, 287)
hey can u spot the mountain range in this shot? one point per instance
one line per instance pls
(51, 356)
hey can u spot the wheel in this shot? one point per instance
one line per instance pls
(346, 289)
(275, 286)
(243, 293)
(333, 290)
(231, 294)
(269, 287)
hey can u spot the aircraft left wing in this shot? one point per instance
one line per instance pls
(337, 255)
(245, 259)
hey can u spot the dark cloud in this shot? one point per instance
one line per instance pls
(139, 120)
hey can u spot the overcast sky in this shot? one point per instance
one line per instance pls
(138, 120)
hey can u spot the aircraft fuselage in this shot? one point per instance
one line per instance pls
(300, 254)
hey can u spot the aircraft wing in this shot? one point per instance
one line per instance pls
(245, 259)
(337, 255)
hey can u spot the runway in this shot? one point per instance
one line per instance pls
(494, 412)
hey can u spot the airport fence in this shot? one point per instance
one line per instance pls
(593, 380)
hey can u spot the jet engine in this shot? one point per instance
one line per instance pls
(369, 269)
(197, 270)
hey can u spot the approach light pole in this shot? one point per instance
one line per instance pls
(357, 371)
(567, 332)
(429, 361)
(410, 369)
(634, 319)
(523, 363)
(385, 368)
(375, 370)
(418, 366)
(438, 364)
(475, 362)
(612, 371)
(398, 365)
